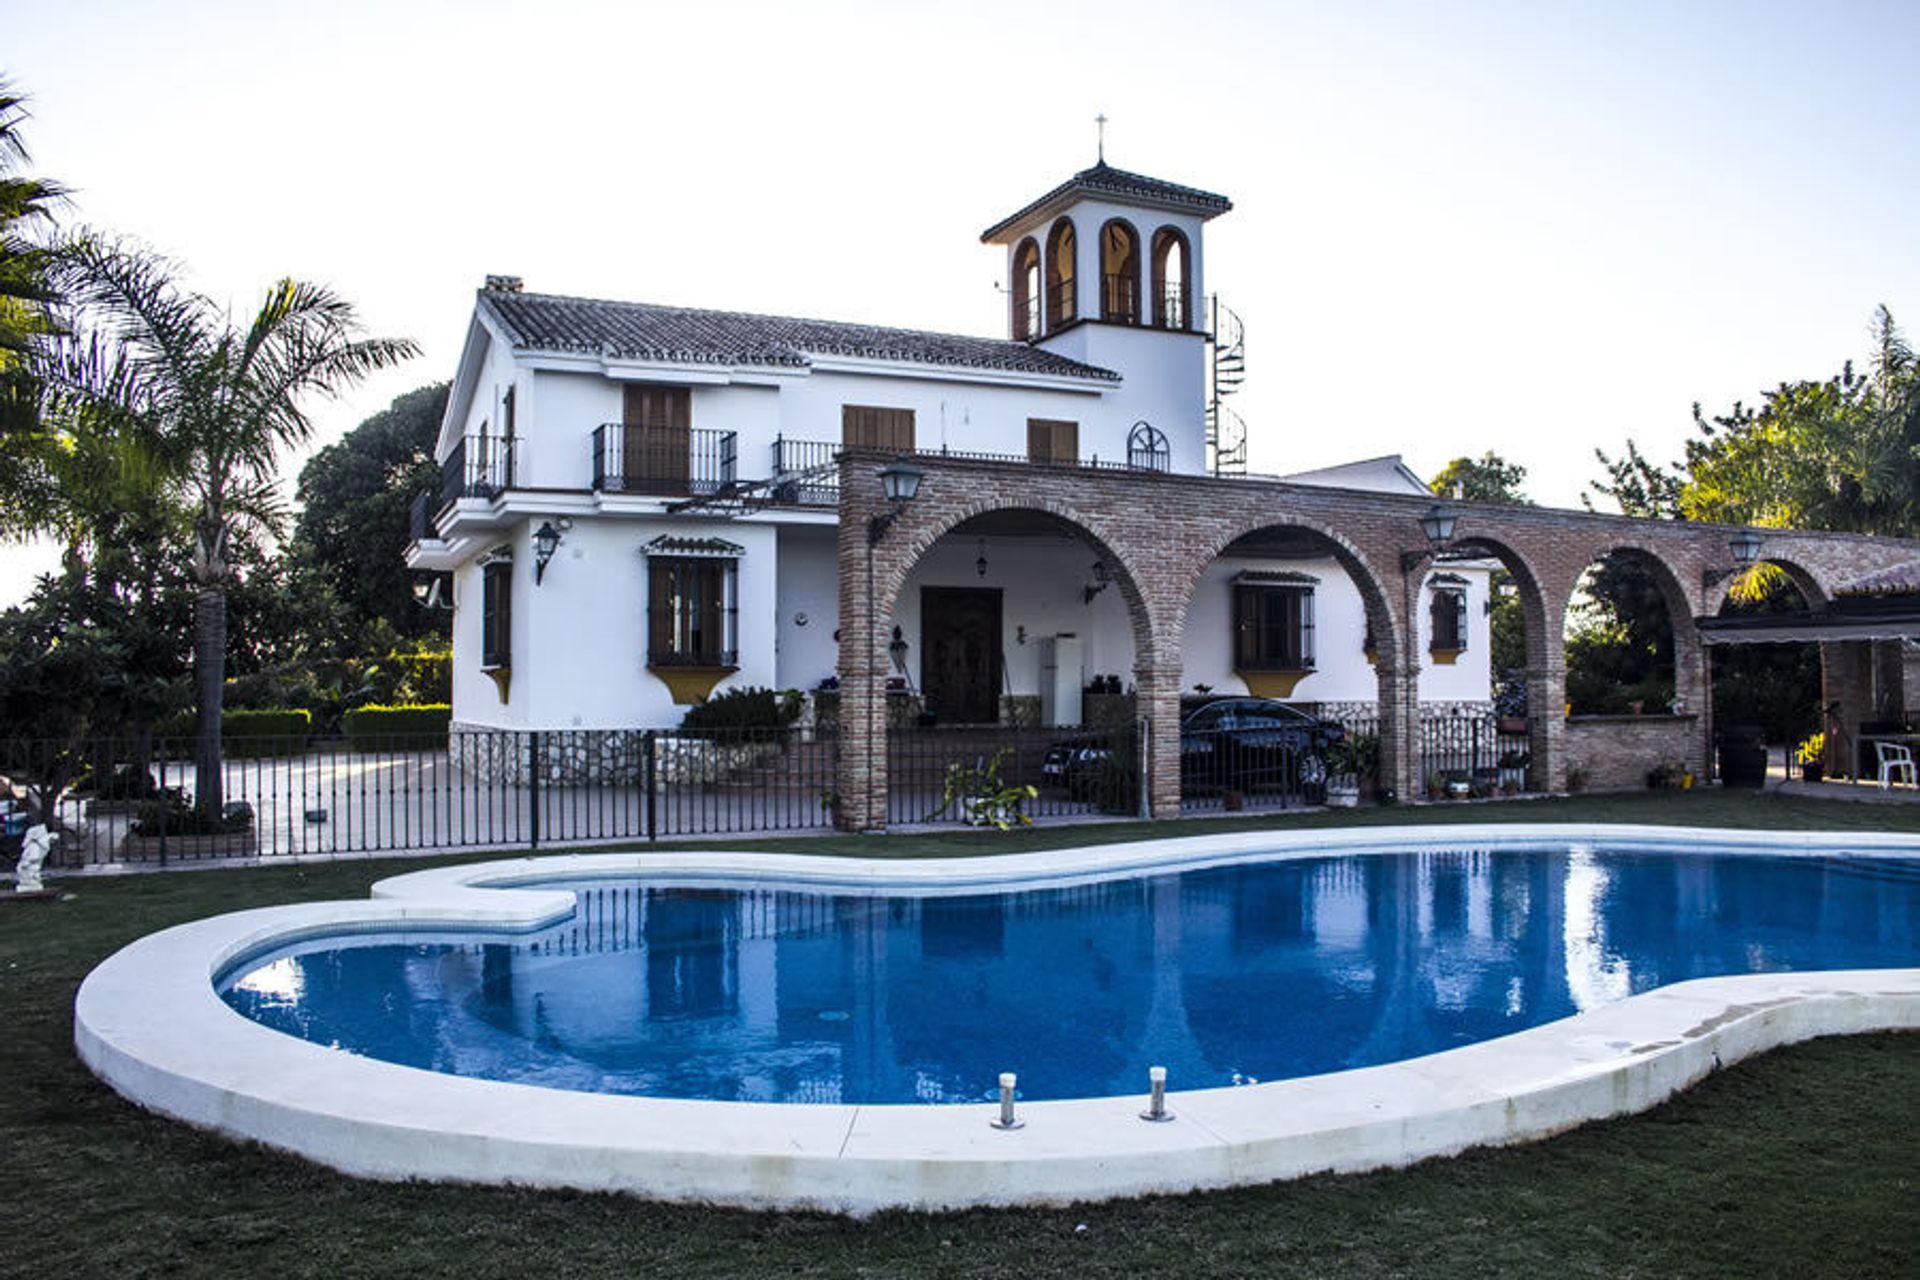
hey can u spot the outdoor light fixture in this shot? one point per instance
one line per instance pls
(546, 540)
(900, 482)
(1437, 524)
(980, 565)
(1744, 544)
(426, 594)
(1101, 581)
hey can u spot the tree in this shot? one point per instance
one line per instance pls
(25, 205)
(356, 512)
(214, 405)
(1489, 478)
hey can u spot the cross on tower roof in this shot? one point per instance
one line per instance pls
(1100, 121)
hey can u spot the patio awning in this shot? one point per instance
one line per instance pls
(1791, 628)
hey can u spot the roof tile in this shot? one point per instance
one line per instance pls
(684, 335)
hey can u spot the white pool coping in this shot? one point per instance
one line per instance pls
(149, 1023)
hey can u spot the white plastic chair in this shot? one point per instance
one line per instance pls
(1895, 760)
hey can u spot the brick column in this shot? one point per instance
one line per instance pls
(1399, 728)
(1844, 689)
(861, 756)
(1693, 690)
(1547, 722)
(1157, 700)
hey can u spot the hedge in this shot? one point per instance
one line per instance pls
(372, 727)
(280, 731)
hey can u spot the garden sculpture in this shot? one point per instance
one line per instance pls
(33, 852)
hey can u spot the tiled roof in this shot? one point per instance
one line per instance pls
(1105, 180)
(1901, 579)
(683, 335)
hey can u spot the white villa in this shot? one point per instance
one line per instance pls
(640, 501)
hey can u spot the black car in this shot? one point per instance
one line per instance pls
(1249, 744)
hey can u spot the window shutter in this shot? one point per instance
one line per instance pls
(1050, 440)
(657, 454)
(868, 427)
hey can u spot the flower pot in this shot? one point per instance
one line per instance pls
(1343, 797)
(1232, 801)
(1813, 770)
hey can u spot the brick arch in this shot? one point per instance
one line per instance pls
(1391, 631)
(1107, 543)
(1815, 592)
(1673, 588)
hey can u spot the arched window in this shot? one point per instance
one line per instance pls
(1170, 303)
(1147, 448)
(1061, 308)
(1119, 273)
(1026, 291)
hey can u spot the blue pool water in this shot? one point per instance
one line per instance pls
(1226, 975)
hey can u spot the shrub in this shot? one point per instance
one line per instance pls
(178, 817)
(278, 731)
(372, 727)
(751, 713)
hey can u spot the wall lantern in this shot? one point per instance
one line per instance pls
(980, 565)
(900, 483)
(1744, 545)
(546, 540)
(1437, 524)
(427, 594)
(1102, 579)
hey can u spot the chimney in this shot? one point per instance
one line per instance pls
(505, 284)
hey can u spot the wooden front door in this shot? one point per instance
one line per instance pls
(960, 654)
(658, 443)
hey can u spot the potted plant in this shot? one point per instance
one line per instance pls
(1343, 791)
(1576, 777)
(1436, 787)
(1459, 786)
(1513, 771)
(982, 797)
(1812, 757)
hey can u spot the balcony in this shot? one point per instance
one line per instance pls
(692, 462)
(480, 466)
(1172, 307)
(806, 472)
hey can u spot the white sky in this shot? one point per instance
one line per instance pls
(1529, 227)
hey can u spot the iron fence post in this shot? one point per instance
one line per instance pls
(533, 789)
(1143, 765)
(649, 767)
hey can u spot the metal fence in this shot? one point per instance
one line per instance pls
(120, 800)
(123, 800)
(976, 775)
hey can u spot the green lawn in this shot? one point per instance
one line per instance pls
(1802, 1163)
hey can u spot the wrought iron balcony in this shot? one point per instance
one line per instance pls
(480, 466)
(1120, 298)
(1172, 307)
(806, 472)
(666, 461)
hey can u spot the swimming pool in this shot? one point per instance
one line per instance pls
(826, 997)
(1227, 975)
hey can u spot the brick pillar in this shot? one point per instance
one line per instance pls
(1157, 700)
(1693, 690)
(861, 758)
(1547, 723)
(1845, 690)
(1399, 728)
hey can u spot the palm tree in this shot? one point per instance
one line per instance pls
(214, 405)
(24, 204)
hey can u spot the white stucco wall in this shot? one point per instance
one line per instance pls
(1341, 671)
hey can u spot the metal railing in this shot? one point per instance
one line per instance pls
(480, 466)
(1062, 306)
(697, 461)
(1172, 307)
(121, 800)
(972, 775)
(1120, 298)
(806, 472)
